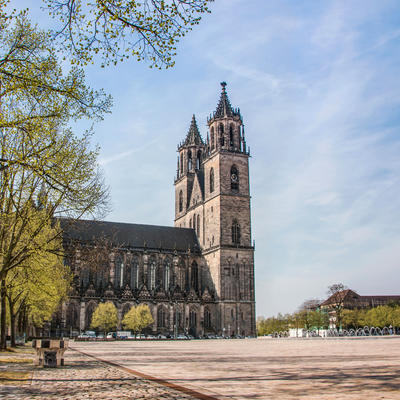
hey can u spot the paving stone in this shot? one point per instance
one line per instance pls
(84, 378)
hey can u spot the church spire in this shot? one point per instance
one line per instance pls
(193, 137)
(224, 107)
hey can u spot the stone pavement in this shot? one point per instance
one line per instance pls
(278, 369)
(328, 369)
(85, 378)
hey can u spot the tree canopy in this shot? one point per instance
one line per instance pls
(35, 288)
(105, 317)
(138, 318)
(115, 30)
(43, 165)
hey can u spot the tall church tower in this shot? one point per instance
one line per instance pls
(212, 195)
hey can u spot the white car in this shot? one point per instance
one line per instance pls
(83, 336)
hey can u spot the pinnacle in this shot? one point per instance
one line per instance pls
(224, 108)
(193, 137)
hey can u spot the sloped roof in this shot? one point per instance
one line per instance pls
(349, 296)
(343, 295)
(130, 235)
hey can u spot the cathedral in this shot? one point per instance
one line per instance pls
(198, 276)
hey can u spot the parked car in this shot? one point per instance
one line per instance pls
(181, 336)
(111, 335)
(150, 337)
(83, 336)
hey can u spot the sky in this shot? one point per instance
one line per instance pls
(318, 86)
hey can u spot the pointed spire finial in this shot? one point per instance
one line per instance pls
(224, 108)
(193, 137)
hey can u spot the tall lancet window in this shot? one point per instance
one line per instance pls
(231, 141)
(152, 275)
(134, 275)
(235, 232)
(180, 201)
(195, 276)
(119, 272)
(198, 225)
(181, 162)
(212, 137)
(221, 134)
(190, 161)
(211, 180)
(198, 160)
(121, 282)
(166, 275)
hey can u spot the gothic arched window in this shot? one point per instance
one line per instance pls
(85, 277)
(221, 134)
(207, 318)
(152, 275)
(234, 178)
(189, 160)
(192, 319)
(167, 274)
(194, 221)
(235, 232)
(198, 225)
(198, 159)
(231, 142)
(159, 277)
(161, 317)
(100, 277)
(119, 272)
(194, 278)
(211, 180)
(212, 139)
(72, 316)
(134, 275)
(181, 161)
(89, 313)
(180, 201)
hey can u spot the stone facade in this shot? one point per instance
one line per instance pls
(196, 277)
(212, 196)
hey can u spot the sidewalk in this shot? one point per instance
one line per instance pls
(84, 378)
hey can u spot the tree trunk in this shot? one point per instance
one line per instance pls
(3, 343)
(12, 322)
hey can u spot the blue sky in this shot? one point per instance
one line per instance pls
(318, 85)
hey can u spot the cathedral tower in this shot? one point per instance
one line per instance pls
(212, 194)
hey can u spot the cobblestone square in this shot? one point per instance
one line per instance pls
(358, 368)
(354, 368)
